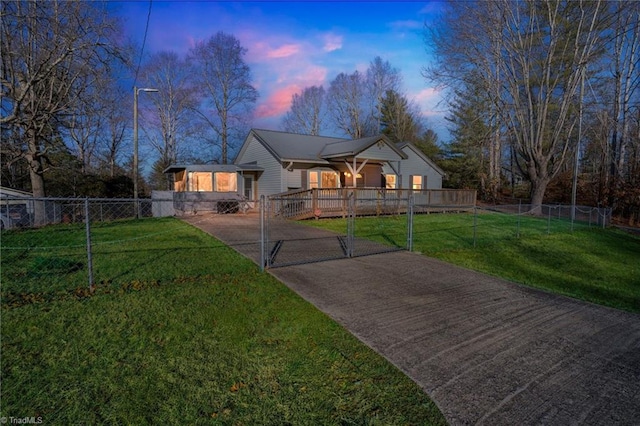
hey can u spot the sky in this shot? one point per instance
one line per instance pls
(293, 45)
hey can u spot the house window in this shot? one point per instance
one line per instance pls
(313, 180)
(200, 181)
(329, 180)
(416, 182)
(323, 179)
(226, 182)
(390, 181)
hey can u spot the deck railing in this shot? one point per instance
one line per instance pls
(331, 202)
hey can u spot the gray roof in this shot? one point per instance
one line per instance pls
(294, 147)
(354, 147)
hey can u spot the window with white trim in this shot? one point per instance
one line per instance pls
(390, 181)
(200, 181)
(416, 182)
(323, 179)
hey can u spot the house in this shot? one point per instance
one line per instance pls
(272, 162)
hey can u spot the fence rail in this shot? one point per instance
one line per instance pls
(334, 202)
(77, 231)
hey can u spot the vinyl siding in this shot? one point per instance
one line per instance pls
(271, 181)
(294, 179)
(415, 166)
(379, 152)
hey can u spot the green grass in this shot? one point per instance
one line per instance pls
(597, 265)
(185, 330)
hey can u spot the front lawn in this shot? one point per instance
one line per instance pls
(593, 264)
(195, 336)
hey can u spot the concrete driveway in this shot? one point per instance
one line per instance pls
(487, 351)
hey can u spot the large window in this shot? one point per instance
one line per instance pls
(200, 181)
(323, 179)
(226, 182)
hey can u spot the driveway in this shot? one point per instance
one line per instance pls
(486, 351)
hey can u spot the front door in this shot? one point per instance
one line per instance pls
(248, 187)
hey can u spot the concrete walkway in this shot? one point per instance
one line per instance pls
(487, 351)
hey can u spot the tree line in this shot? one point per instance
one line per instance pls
(67, 113)
(545, 92)
(543, 101)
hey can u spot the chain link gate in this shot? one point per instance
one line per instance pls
(359, 227)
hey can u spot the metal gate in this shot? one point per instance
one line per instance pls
(351, 227)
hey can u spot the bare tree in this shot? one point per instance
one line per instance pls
(116, 107)
(381, 77)
(530, 57)
(225, 80)
(307, 112)
(625, 73)
(350, 105)
(174, 104)
(50, 52)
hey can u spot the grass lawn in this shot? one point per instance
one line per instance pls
(592, 264)
(182, 330)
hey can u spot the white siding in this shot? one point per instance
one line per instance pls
(414, 165)
(271, 180)
(294, 179)
(379, 152)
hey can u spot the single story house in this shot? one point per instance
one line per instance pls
(272, 162)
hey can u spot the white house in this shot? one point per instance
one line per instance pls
(272, 162)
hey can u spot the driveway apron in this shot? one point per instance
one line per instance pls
(487, 351)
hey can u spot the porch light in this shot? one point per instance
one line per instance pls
(348, 174)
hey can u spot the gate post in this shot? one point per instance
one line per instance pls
(87, 222)
(263, 257)
(351, 218)
(410, 203)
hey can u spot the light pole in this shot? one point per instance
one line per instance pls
(135, 146)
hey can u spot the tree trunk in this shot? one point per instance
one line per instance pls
(34, 160)
(538, 188)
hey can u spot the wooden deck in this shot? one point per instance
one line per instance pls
(323, 203)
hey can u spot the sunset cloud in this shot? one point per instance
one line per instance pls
(332, 42)
(284, 51)
(278, 102)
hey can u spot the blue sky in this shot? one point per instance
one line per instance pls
(293, 45)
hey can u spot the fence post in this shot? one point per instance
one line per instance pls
(519, 213)
(263, 258)
(87, 221)
(475, 224)
(351, 224)
(410, 204)
(549, 221)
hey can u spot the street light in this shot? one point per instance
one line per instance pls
(135, 145)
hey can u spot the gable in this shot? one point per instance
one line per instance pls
(417, 158)
(380, 151)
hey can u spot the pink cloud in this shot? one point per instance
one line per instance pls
(428, 95)
(277, 103)
(428, 100)
(284, 51)
(332, 42)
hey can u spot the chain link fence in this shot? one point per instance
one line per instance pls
(76, 243)
(288, 241)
